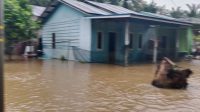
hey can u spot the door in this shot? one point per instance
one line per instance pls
(111, 47)
(163, 46)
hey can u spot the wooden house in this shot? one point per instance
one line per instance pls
(104, 33)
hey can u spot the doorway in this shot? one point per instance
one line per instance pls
(111, 47)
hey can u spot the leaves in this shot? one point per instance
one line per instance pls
(193, 10)
(19, 24)
(177, 12)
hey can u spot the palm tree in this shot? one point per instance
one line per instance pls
(193, 10)
(177, 12)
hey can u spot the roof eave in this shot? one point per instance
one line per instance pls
(161, 20)
(141, 17)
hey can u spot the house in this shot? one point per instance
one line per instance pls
(104, 33)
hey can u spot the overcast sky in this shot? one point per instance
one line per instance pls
(175, 3)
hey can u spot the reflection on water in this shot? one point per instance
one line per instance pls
(55, 86)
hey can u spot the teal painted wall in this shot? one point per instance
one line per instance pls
(136, 54)
(105, 27)
(170, 34)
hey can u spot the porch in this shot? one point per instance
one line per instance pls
(126, 41)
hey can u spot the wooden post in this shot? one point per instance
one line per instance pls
(155, 51)
(127, 24)
(170, 61)
(177, 44)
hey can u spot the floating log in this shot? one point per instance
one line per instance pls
(168, 76)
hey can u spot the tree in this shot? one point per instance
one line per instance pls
(114, 2)
(193, 10)
(177, 12)
(125, 4)
(138, 5)
(152, 7)
(19, 24)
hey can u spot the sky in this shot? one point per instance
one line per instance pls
(175, 3)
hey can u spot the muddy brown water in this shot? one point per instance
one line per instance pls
(55, 86)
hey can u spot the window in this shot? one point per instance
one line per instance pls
(140, 41)
(163, 42)
(99, 40)
(53, 40)
(150, 44)
(131, 41)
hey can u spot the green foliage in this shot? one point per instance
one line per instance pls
(152, 7)
(115, 2)
(138, 5)
(19, 24)
(177, 12)
(126, 4)
(193, 10)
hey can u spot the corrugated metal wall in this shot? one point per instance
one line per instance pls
(65, 23)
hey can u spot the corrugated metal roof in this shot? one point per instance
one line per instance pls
(112, 8)
(85, 7)
(191, 19)
(157, 15)
(37, 10)
(104, 10)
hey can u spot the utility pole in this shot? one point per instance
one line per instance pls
(1, 55)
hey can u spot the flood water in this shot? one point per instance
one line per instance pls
(56, 86)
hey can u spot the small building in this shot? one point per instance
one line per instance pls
(104, 33)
